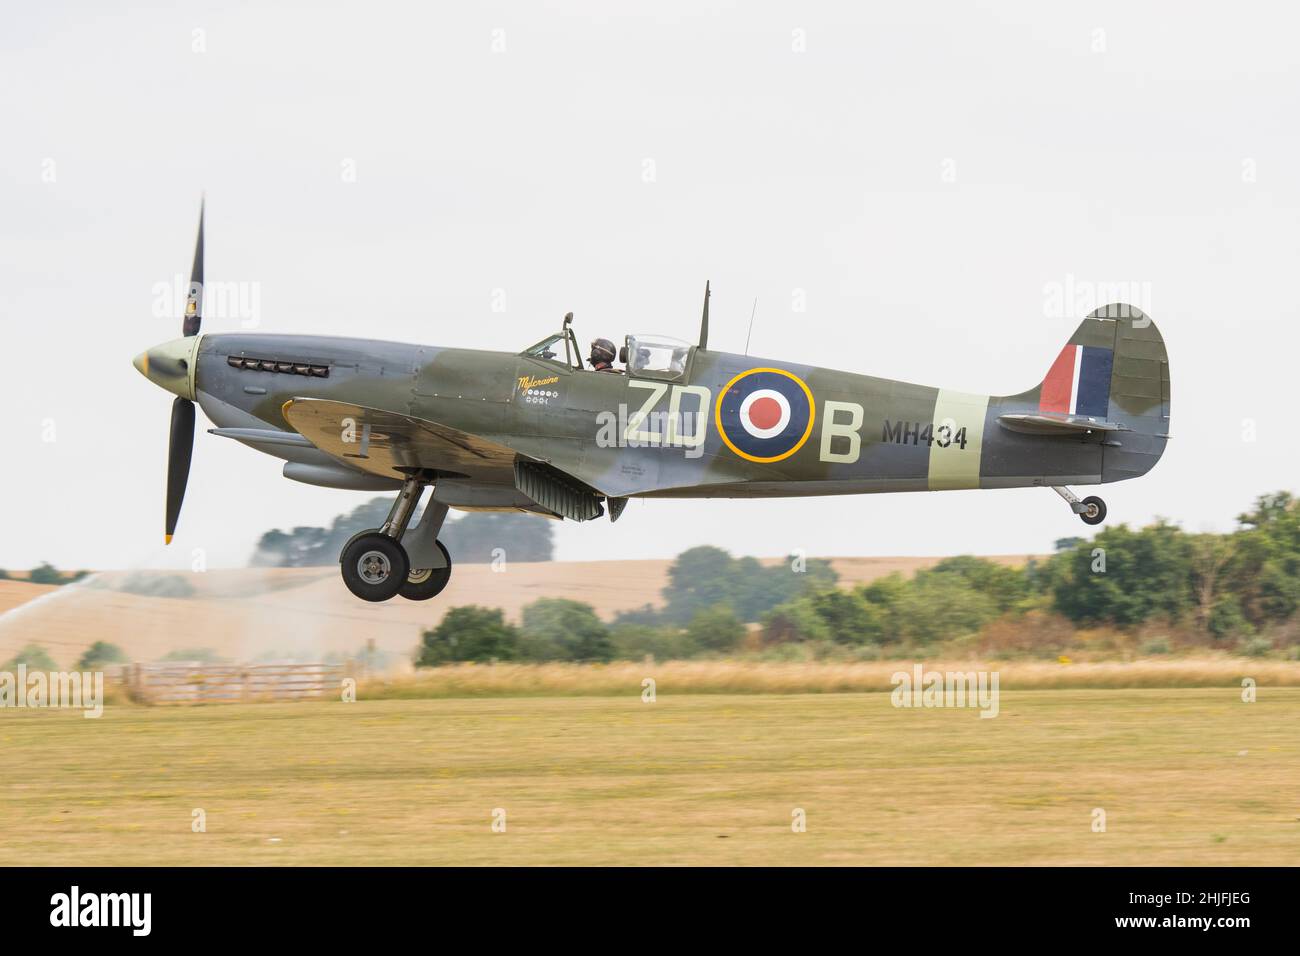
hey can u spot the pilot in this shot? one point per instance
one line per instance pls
(602, 355)
(678, 363)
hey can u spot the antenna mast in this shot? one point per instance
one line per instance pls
(704, 321)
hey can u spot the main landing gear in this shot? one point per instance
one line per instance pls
(384, 562)
(1091, 510)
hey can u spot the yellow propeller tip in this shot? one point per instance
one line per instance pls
(167, 539)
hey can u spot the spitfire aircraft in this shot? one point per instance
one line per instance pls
(542, 432)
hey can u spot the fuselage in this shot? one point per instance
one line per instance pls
(707, 424)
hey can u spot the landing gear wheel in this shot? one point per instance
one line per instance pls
(424, 583)
(374, 566)
(1094, 511)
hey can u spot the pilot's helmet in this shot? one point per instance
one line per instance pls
(602, 350)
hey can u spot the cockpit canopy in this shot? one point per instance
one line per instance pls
(555, 348)
(657, 356)
(648, 356)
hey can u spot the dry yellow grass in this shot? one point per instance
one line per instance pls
(16, 593)
(1184, 776)
(752, 677)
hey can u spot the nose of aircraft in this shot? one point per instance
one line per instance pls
(171, 366)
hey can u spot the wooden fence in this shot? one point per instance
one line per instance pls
(200, 683)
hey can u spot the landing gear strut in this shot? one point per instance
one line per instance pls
(1091, 510)
(384, 562)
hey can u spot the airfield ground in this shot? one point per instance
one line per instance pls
(1185, 776)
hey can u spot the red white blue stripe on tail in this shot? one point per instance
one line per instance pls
(1078, 383)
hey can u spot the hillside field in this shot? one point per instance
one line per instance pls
(307, 612)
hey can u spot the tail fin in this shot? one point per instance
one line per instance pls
(1111, 380)
(1139, 393)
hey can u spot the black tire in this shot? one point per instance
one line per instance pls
(1096, 512)
(424, 583)
(347, 544)
(374, 566)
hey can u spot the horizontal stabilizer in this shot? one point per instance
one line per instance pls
(1040, 424)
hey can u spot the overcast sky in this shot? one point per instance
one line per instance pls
(926, 182)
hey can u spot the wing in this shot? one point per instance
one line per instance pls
(554, 469)
(388, 444)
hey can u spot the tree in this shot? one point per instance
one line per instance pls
(924, 608)
(715, 629)
(794, 622)
(1225, 619)
(647, 616)
(1209, 554)
(634, 641)
(558, 629)
(849, 618)
(886, 591)
(790, 578)
(481, 536)
(939, 607)
(99, 654)
(45, 573)
(1264, 569)
(475, 538)
(1147, 574)
(1006, 586)
(469, 633)
(706, 576)
(34, 657)
(888, 594)
(698, 578)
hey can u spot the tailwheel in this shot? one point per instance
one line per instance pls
(1094, 510)
(424, 583)
(375, 566)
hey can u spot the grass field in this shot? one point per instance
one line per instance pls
(1191, 776)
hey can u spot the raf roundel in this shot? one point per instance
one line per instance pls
(765, 414)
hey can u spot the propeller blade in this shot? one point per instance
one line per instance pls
(194, 301)
(180, 448)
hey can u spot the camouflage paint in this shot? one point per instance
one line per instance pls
(865, 434)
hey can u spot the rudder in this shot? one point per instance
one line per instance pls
(1139, 393)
